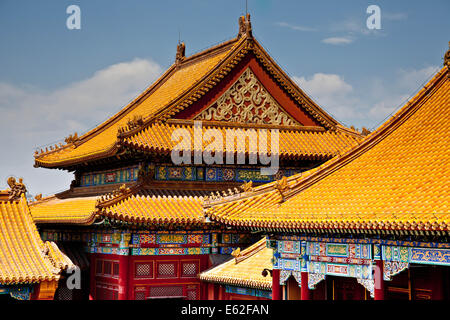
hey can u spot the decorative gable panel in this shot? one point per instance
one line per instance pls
(247, 101)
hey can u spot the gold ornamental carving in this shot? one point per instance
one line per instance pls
(247, 101)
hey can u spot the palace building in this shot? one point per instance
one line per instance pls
(243, 277)
(372, 222)
(29, 268)
(133, 221)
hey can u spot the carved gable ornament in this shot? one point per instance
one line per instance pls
(247, 101)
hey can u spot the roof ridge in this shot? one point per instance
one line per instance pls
(251, 250)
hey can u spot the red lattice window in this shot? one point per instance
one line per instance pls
(107, 267)
(192, 294)
(63, 293)
(139, 293)
(143, 270)
(104, 292)
(167, 270)
(189, 269)
(166, 291)
(115, 269)
(99, 268)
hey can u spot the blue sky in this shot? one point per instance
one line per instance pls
(55, 81)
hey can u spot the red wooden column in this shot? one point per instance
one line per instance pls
(222, 293)
(305, 292)
(211, 291)
(379, 282)
(123, 277)
(276, 288)
(92, 265)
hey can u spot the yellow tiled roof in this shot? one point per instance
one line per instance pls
(155, 207)
(24, 257)
(311, 143)
(69, 211)
(244, 270)
(182, 85)
(396, 179)
(175, 82)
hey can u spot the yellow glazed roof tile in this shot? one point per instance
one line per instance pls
(24, 257)
(155, 207)
(297, 143)
(397, 178)
(69, 211)
(245, 269)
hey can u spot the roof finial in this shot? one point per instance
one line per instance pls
(180, 52)
(17, 188)
(245, 26)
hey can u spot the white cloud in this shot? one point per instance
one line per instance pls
(351, 26)
(338, 40)
(394, 16)
(295, 27)
(331, 92)
(394, 96)
(31, 117)
(410, 79)
(324, 84)
(371, 103)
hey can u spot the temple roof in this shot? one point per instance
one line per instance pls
(24, 257)
(141, 205)
(138, 204)
(79, 210)
(244, 269)
(185, 82)
(395, 179)
(294, 142)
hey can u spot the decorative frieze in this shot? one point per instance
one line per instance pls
(431, 256)
(314, 279)
(391, 268)
(249, 291)
(217, 174)
(121, 175)
(285, 274)
(19, 292)
(369, 284)
(339, 250)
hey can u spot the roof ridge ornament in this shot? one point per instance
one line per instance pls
(245, 26)
(17, 188)
(282, 185)
(71, 138)
(247, 186)
(181, 50)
